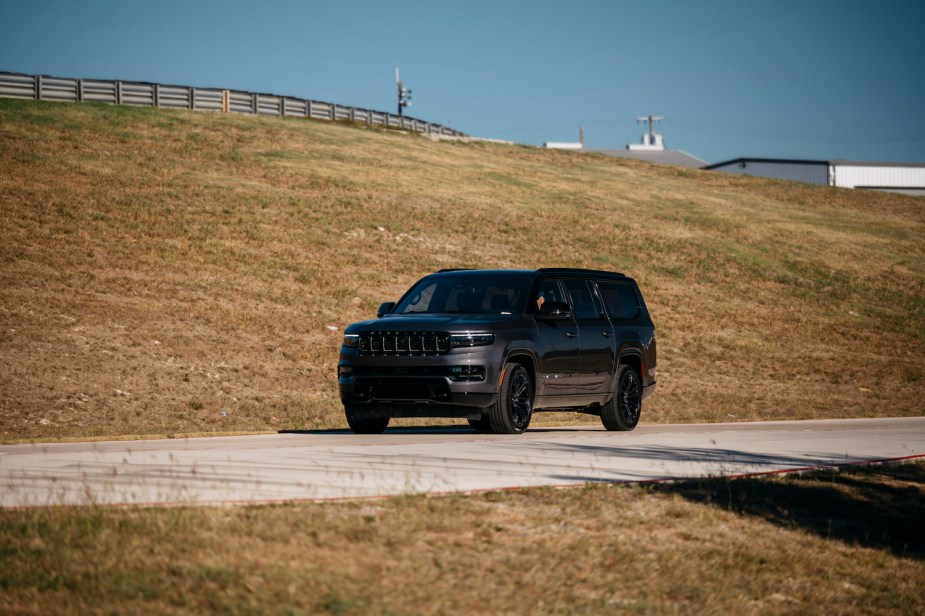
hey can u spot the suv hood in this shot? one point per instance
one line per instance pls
(430, 322)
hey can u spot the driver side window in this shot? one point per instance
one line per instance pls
(548, 291)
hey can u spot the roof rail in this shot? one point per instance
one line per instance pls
(454, 269)
(578, 270)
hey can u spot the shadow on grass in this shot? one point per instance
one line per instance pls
(878, 507)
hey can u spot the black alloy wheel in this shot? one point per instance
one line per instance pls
(623, 410)
(512, 413)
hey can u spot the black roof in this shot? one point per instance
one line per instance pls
(571, 271)
(560, 271)
(745, 159)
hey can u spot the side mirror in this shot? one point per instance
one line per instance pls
(384, 309)
(554, 311)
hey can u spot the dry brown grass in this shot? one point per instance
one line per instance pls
(158, 268)
(828, 543)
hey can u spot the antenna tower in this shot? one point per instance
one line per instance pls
(404, 94)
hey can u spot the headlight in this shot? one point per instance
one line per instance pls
(351, 340)
(470, 340)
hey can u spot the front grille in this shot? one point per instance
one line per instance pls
(454, 373)
(404, 343)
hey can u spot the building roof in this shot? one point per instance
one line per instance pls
(679, 158)
(798, 161)
(855, 163)
(746, 159)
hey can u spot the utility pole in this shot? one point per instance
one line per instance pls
(404, 94)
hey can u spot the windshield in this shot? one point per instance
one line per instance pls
(475, 293)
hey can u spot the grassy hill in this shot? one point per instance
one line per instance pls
(174, 272)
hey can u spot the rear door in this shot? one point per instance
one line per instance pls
(622, 304)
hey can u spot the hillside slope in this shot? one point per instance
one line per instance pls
(172, 272)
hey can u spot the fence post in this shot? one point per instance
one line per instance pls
(157, 95)
(225, 101)
(192, 99)
(118, 92)
(80, 90)
(37, 81)
(255, 103)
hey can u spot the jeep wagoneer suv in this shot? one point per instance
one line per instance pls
(495, 346)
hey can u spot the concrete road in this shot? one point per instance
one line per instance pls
(331, 465)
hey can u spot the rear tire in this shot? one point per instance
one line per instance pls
(622, 411)
(512, 413)
(365, 425)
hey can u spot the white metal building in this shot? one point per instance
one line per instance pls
(906, 178)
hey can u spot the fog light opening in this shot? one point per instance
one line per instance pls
(467, 373)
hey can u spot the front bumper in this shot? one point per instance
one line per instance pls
(416, 386)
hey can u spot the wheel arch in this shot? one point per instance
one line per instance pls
(524, 358)
(633, 358)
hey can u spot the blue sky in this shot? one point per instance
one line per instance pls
(811, 79)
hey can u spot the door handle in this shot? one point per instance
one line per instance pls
(606, 334)
(570, 334)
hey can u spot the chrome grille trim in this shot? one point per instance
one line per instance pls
(404, 343)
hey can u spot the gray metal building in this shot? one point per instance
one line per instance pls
(809, 171)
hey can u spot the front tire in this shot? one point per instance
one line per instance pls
(623, 410)
(365, 425)
(512, 413)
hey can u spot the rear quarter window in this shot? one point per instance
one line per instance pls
(620, 300)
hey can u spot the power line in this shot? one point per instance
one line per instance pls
(511, 131)
(735, 131)
(799, 136)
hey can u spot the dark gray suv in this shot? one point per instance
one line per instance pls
(495, 346)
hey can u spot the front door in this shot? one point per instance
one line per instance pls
(598, 346)
(559, 353)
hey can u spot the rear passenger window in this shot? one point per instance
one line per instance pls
(620, 300)
(584, 302)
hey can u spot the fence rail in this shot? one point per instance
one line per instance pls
(144, 94)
